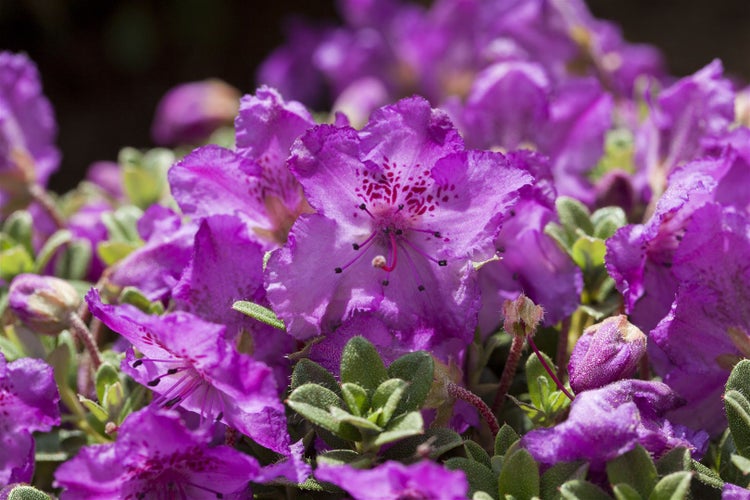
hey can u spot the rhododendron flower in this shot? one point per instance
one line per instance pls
(28, 403)
(402, 207)
(394, 480)
(188, 362)
(156, 456)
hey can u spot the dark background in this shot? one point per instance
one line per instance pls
(106, 63)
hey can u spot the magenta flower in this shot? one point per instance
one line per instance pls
(28, 403)
(394, 481)
(190, 112)
(156, 456)
(402, 207)
(188, 362)
(252, 182)
(27, 127)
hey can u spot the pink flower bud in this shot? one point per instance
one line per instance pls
(43, 303)
(522, 316)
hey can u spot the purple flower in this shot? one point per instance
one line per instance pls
(252, 182)
(707, 329)
(394, 481)
(190, 112)
(606, 352)
(27, 128)
(607, 422)
(28, 403)
(156, 267)
(401, 209)
(156, 456)
(226, 266)
(188, 363)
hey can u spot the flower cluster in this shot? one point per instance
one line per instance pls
(337, 302)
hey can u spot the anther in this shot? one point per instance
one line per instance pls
(437, 234)
(339, 270)
(220, 416)
(153, 383)
(172, 371)
(442, 263)
(401, 206)
(384, 282)
(362, 206)
(172, 402)
(399, 231)
(355, 246)
(420, 288)
(137, 363)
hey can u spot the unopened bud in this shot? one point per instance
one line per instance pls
(43, 303)
(606, 352)
(522, 316)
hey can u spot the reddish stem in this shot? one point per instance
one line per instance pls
(549, 370)
(458, 392)
(508, 372)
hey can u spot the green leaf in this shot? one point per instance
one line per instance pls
(361, 365)
(675, 486)
(588, 252)
(341, 457)
(607, 220)
(387, 397)
(112, 252)
(574, 215)
(479, 476)
(634, 468)
(475, 452)
(75, 260)
(310, 372)
(675, 460)
(15, 261)
(558, 233)
(505, 437)
(481, 495)
(24, 492)
(313, 402)
(418, 369)
(106, 375)
(356, 398)
(433, 443)
(624, 491)
(579, 489)
(737, 406)
(96, 410)
(260, 313)
(560, 473)
(406, 425)
(19, 226)
(519, 476)
(53, 243)
(706, 475)
(742, 463)
(122, 224)
(358, 422)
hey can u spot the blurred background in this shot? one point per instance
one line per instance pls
(105, 64)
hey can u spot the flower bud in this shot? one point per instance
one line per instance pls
(43, 303)
(606, 352)
(522, 316)
(190, 112)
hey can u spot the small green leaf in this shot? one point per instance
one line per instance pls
(588, 253)
(262, 314)
(737, 406)
(53, 243)
(578, 489)
(358, 422)
(15, 261)
(387, 397)
(675, 460)
(477, 453)
(122, 224)
(112, 252)
(558, 233)
(519, 476)
(25, 492)
(607, 220)
(19, 226)
(106, 375)
(310, 372)
(313, 402)
(479, 476)
(560, 473)
(505, 437)
(75, 260)
(361, 365)
(481, 495)
(406, 425)
(418, 369)
(356, 398)
(742, 463)
(96, 410)
(706, 475)
(574, 215)
(675, 486)
(624, 491)
(341, 457)
(634, 468)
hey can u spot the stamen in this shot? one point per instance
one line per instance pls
(363, 246)
(416, 248)
(364, 208)
(414, 271)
